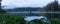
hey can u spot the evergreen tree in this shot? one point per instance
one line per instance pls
(52, 7)
(1, 10)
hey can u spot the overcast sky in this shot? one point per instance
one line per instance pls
(25, 3)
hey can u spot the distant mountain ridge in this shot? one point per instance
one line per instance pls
(25, 9)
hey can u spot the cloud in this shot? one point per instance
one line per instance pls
(26, 3)
(59, 1)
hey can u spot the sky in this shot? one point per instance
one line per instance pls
(9, 4)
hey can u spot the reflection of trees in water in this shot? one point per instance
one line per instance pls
(52, 15)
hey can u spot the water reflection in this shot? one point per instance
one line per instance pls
(30, 18)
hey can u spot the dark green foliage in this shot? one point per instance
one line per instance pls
(54, 21)
(36, 21)
(11, 19)
(51, 20)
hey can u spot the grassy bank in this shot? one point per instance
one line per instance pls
(11, 19)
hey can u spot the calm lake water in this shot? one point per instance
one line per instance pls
(28, 18)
